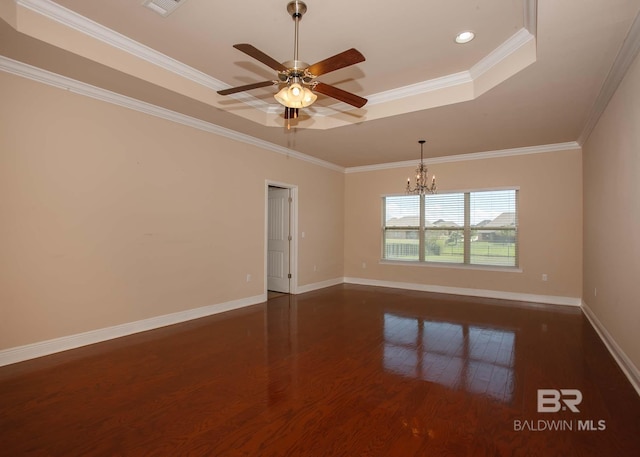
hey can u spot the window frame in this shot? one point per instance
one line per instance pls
(466, 229)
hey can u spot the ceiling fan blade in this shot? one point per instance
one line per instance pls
(344, 59)
(234, 90)
(342, 95)
(261, 56)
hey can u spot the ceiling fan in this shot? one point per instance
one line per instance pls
(299, 78)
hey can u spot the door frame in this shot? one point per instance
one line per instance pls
(293, 232)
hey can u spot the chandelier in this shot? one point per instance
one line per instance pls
(422, 179)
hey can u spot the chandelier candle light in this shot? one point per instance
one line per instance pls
(422, 187)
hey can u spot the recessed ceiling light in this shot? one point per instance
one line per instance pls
(465, 37)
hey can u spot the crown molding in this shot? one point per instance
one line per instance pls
(502, 52)
(521, 38)
(411, 90)
(531, 16)
(627, 54)
(99, 32)
(75, 21)
(555, 147)
(84, 25)
(62, 82)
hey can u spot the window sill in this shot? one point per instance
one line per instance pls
(456, 266)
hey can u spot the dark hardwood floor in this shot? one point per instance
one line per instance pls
(345, 371)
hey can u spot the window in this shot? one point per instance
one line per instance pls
(468, 228)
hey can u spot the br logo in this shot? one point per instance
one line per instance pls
(552, 400)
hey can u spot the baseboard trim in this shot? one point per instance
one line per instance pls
(484, 293)
(39, 349)
(624, 362)
(42, 348)
(319, 285)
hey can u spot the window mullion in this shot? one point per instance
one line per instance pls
(383, 229)
(467, 228)
(517, 224)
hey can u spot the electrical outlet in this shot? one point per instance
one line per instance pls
(248, 278)
(544, 276)
(364, 265)
(315, 268)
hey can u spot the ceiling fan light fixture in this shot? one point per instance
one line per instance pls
(308, 97)
(295, 92)
(298, 76)
(295, 96)
(465, 37)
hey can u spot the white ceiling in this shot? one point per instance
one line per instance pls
(531, 77)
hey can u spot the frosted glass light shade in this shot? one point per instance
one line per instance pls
(295, 96)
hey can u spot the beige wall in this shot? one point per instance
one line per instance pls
(550, 228)
(110, 216)
(612, 217)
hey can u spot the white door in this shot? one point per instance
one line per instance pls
(278, 239)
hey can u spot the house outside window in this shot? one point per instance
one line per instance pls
(465, 228)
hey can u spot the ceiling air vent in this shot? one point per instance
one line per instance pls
(163, 7)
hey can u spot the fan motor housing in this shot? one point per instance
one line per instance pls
(296, 65)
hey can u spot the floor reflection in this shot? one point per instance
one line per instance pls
(458, 356)
(343, 371)
(282, 341)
